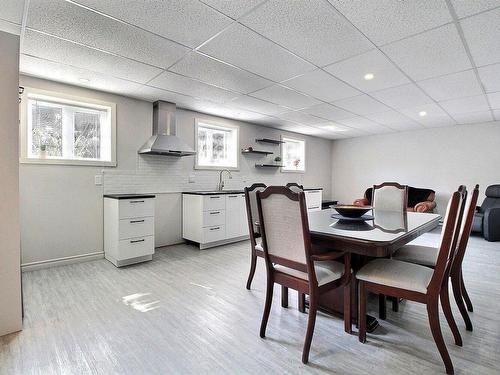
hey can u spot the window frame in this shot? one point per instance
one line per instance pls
(200, 122)
(284, 169)
(71, 100)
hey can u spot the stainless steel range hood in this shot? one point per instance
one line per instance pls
(164, 140)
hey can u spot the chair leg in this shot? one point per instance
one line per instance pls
(445, 304)
(302, 302)
(347, 309)
(362, 311)
(433, 314)
(395, 304)
(253, 266)
(267, 306)
(382, 307)
(465, 294)
(313, 308)
(457, 293)
(284, 296)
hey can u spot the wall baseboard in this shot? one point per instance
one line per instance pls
(25, 267)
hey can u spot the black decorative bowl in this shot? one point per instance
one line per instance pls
(348, 210)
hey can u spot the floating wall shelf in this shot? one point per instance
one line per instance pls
(266, 140)
(268, 166)
(256, 152)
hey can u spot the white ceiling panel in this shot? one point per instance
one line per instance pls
(366, 125)
(12, 11)
(434, 115)
(216, 109)
(301, 118)
(465, 8)
(58, 50)
(187, 86)
(354, 69)
(328, 112)
(490, 77)
(465, 105)
(209, 70)
(313, 30)
(153, 94)
(482, 32)
(253, 104)
(494, 100)
(72, 22)
(322, 85)
(284, 96)
(473, 117)
(361, 105)
(188, 22)
(394, 120)
(232, 8)
(384, 21)
(496, 112)
(402, 96)
(451, 86)
(10, 27)
(246, 49)
(430, 54)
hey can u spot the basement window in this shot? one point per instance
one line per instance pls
(61, 129)
(293, 152)
(216, 145)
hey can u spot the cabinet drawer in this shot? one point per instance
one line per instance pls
(214, 202)
(137, 208)
(211, 218)
(215, 233)
(135, 247)
(136, 227)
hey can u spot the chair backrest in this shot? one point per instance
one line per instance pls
(390, 196)
(446, 250)
(295, 187)
(284, 227)
(252, 210)
(465, 230)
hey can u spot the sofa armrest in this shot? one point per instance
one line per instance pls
(361, 202)
(426, 206)
(491, 224)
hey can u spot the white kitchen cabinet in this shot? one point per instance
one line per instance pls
(128, 228)
(314, 198)
(214, 219)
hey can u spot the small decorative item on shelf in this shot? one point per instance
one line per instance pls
(249, 148)
(43, 151)
(296, 163)
(277, 160)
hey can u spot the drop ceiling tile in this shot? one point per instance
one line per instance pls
(187, 86)
(321, 85)
(481, 33)
(209, 70)
(402, 96)
(452, 86)
(353, 71)
(72, 22)
(435, 116)
(369, 126)
(246, 49)
(284, 96)
(473, 117)
(361, 105)
(12, 11)
(301, 118)
(494, 100)
(467, 7)
(496, 112)
(217, 109)
(465, 105)
(490, 77)
(314, 31)
(261, 106)
(58, 50)
(153, 94)
(10, 27)
(187, 22)
(328, 112)
(384, 21)
(231, 8)
(394, 120)
(430, 54)
(58, 72)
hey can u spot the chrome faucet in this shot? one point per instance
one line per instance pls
(220, 187)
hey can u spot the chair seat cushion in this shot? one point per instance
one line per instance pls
(326, 271)
(396, 273)
(424, 255)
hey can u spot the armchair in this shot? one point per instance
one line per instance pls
(419, 200)
(487, 216)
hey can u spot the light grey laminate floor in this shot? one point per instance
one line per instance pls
(188, 312)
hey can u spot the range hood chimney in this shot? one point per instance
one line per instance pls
(164, 140)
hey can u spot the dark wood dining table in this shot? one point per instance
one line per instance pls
(380, 237)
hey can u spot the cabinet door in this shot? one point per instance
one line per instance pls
(233, 213)
(243, 216)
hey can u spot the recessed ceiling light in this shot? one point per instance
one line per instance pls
(422, 113)
(84, 80)
(369, 76)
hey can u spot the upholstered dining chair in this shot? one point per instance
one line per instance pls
(295, 187)
(390, 196)
(286, 244)
(412, 281)
(427, 256)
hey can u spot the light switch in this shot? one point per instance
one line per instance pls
(98, 179)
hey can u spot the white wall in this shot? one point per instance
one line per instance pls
(10, 277)
(440, 159)
(61, 208)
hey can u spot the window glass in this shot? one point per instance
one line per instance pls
(217, 146)
(293, 155)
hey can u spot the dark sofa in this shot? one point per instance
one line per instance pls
(487, 216)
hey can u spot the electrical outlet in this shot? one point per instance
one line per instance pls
(98, 179)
